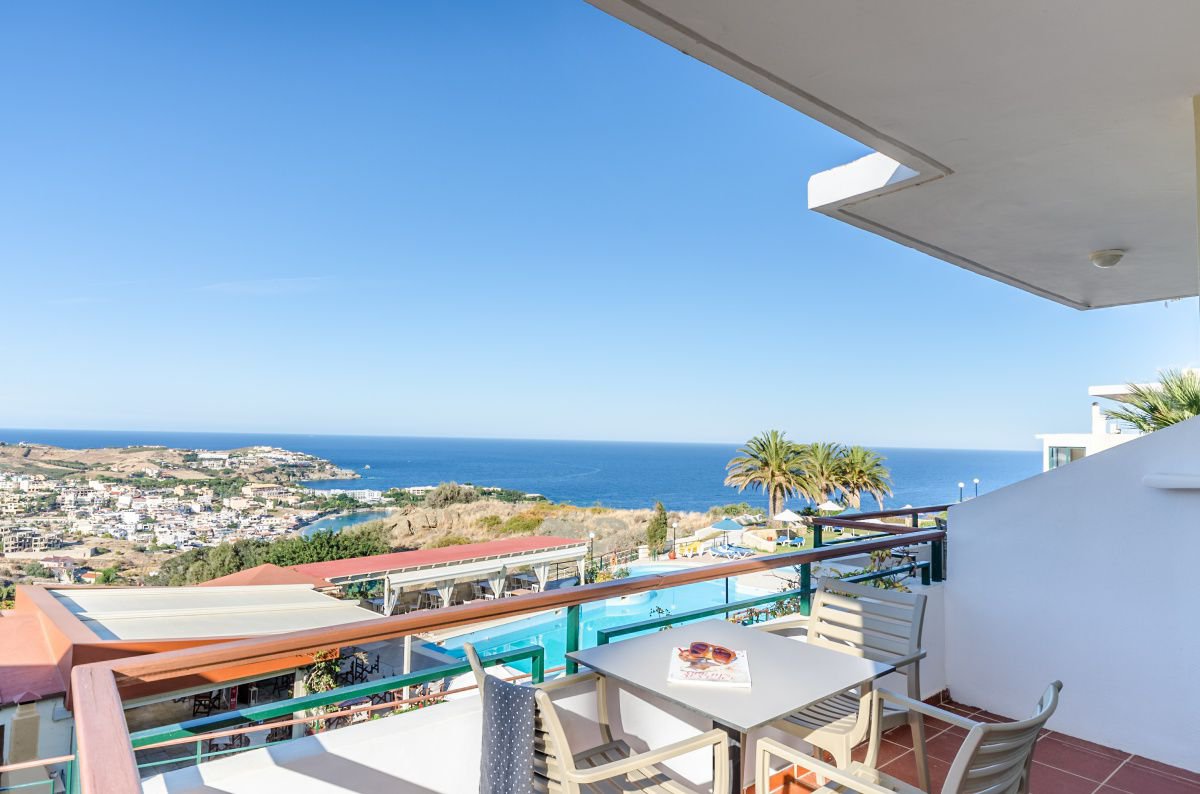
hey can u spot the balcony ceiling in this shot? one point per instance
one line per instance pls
(1012, 138)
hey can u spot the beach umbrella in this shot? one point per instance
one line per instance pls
(829, 506)
(726, 525)
(788, 518)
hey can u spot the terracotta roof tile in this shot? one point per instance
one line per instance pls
(411, 559)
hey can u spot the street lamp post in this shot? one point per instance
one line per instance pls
(976, 481)
(674, 527)
(961, 486)
(591, 550)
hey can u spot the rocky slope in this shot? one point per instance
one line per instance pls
(488, 519)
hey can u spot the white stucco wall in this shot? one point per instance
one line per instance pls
(1087, 575)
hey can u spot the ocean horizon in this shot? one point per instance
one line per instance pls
(620, 474)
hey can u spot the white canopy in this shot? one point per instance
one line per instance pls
(829, 506)
(789, 517)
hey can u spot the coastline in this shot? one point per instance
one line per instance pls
(309, 528)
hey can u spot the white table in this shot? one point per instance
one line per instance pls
(786, 675)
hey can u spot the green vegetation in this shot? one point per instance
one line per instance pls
(656, 530)
(200, 565)
(1173, 399)
(770, 463)
(525, 523)
(226, 487)
(490, 522)
(511, 496)
(449, 540)
(335, 503)
(451, 493)
(38, 571)
(739, 509)
(8, 596)
(107, 576)
(400, 497)
(816, 472)
(68, 464)
(190, 457)
(146, 482)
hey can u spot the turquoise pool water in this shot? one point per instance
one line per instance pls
(549, 630)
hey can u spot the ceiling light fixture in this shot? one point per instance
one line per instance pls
(1107, 258)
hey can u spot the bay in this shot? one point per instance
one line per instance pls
(613, 474)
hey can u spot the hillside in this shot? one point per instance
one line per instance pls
(260, 464)
(488, 519)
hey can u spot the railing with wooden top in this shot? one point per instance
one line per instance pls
(106, 763)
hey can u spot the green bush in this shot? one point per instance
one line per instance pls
(522, 524)
(451, 493)
(490, 522)
(449, 540)
(200, 565)
(739, 509)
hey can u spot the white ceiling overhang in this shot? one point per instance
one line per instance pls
(1011, 139)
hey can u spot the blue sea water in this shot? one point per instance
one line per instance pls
(614, 474)
(337, 523)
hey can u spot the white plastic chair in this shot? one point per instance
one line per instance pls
(611, 766)
(880, 625)
(995, 758)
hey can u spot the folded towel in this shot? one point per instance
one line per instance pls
(506, 765)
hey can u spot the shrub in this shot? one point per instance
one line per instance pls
(449, 540)
(739, 509)
(656, 531)
(522, 524)
(490, 522)
(450, 493)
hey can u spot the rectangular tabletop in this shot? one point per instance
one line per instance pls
(786, 675)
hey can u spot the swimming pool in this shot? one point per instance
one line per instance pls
(550, 630)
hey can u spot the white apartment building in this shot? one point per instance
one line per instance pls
(1105, 433)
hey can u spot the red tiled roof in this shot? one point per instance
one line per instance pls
(411, 559)
(30, 668)
(265, 574)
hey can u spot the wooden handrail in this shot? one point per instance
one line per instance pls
(853, 523)
(903, 511)
(106, 760)
(58, 759)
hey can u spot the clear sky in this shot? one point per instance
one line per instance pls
(511, 220)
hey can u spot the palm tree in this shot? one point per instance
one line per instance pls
(821, 463)
(863, 472)
(770, 463)
(1152, 407)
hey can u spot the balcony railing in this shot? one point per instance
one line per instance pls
(105, 750)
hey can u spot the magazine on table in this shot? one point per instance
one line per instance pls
(709, 665)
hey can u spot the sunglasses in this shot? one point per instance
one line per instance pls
(718, 653)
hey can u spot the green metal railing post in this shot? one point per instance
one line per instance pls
(573, 613)
(935, 561)
(805, 588)
(806, 575)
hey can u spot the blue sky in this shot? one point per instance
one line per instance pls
(509, 220)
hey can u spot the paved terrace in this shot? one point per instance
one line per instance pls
(437, 750)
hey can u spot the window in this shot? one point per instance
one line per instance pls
(1060, 456)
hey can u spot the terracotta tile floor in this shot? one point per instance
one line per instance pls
(1061, 764)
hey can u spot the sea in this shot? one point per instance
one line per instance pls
(584, 473)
